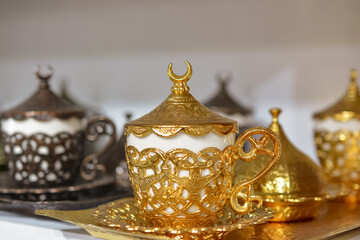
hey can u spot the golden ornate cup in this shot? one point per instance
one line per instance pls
(181, 159)
(337, 137)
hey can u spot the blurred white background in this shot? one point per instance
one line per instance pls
(114, 54)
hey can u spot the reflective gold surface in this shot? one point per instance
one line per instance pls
(338, 153)
(347, 107)
(180, 112)
(125, 216)
(294, 211)
(121, 220)
(334, 218)
(294, 182)
(183, 188)
(339, 149)
(180, 183)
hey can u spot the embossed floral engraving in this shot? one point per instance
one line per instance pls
(124, 216)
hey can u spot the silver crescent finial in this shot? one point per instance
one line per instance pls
(44, 78)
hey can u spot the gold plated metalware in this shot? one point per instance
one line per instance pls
(122, 219)
(180, 175)
(347, 107)
(122, 173)
(295, 188)
(337, 218)
(337, 137)
(180, 112)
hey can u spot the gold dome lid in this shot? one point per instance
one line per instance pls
(295, 178)
(348, 107)
(180, 112)
(43, 105)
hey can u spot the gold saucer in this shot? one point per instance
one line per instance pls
(121, 220)
(339, 191)
(306, 208)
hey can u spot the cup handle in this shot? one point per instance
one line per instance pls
(243, 191)
(98, 125)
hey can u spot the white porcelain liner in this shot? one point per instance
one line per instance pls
(331, 125)
(181, 140)
(52, 127)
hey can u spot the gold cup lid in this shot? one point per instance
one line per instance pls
(295, 178)
(348, 107)
(43, 105)
(180, 112)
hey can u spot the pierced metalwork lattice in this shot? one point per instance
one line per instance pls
(124, 216)
(180, 188)
(339, 154)
(180, 182)
(42, 160)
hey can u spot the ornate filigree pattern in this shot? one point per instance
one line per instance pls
(183, 188)
(42, 160)
(180, 112)
(172, 131)
(10, 192)
(268, 144)
(168, 185)
(339, 155)
(295, 178)
(96, 127)
(124, 215)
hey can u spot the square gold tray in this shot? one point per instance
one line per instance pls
(335, 218)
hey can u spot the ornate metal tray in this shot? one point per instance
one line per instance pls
(335, 218)
(10, 191)
(128, 223)
(86, 198)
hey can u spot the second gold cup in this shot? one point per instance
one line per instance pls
(181, 158)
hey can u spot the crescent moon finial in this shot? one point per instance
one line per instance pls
(180, 86)
(44, 78)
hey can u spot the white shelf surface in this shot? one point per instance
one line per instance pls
(16, 227)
